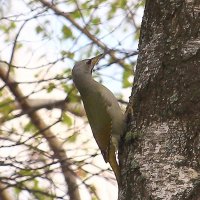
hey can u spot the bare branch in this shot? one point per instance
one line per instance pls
(14, 48)
(54, 144)
(37, 104)
(4, 194)
(84, 31)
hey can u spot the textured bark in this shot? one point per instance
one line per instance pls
(161, 154)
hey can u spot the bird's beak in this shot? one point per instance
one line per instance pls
(96, 59)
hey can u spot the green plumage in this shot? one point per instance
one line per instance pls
(103, 111)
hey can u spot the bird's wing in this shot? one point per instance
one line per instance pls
(100, 121)
(106, 131)
(103, 140)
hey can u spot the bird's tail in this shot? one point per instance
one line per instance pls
(113, 163)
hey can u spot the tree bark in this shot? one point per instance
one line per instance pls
(160, 153)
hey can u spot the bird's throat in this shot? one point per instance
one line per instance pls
(84, 83)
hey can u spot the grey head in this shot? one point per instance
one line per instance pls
(85, 67)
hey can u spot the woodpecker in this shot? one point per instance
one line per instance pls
(102, 109)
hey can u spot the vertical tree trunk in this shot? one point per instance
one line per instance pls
(160, 153)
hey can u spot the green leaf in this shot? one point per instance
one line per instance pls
(67, 33)
(113, 9)
(29, 127)
(97, 31)
(72, 138)
(19, 45)
(126, 79)
(76, 14)
(140, 4)
(70, 55)
(69, 89)
(123, 3)
(17, 191)
(8, 28)
(39, 29)
(67, 54)
(12, 25)
(51, 87)
(66, 119)
(96, 21)
(6, 106)
(36, 184)
(85, 5)
(38, 195)
(25, 172)
(137, 34)
(65, 87)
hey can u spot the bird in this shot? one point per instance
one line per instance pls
(104, 114)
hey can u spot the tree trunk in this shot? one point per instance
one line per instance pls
(160, 153)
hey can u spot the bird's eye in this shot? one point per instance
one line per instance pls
(89, 61)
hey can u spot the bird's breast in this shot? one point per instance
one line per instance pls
(96, 111)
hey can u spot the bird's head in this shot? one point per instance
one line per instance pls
(85, 66)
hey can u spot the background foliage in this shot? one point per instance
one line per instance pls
(40, 42)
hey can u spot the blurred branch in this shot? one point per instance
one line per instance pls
(4, 193)
(14, 48)
(74, 108)
(37, 104)
(85, 31)
(54, 144)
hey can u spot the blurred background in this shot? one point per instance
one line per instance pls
(46, 143)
